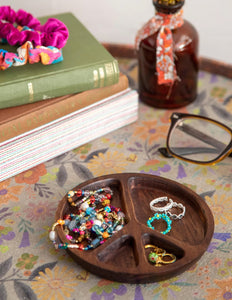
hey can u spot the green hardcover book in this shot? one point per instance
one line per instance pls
(86, 65)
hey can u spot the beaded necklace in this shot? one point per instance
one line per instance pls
(96, 220)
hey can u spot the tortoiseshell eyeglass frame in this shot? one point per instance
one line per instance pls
(178, 117)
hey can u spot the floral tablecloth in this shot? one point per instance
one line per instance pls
(30, 267)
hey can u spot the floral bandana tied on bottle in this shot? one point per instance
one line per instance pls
(165, 65)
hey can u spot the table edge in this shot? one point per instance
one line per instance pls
(205, 63)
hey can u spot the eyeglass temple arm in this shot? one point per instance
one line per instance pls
(202, 136)
(186, 151)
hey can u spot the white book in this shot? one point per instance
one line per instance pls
(66, 133)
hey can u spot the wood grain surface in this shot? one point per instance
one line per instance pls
(123, 256)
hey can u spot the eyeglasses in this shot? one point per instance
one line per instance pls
(197, 139)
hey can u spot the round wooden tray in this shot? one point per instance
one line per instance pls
(123, 256)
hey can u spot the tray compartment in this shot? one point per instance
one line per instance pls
(190, 229)
(165, 244)
(120, 252)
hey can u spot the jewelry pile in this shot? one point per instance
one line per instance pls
(96, 220)
(163, 212)
(159, 256)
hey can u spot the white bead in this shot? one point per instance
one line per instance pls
(84, 206)
(97, 222)
(121, 215)
(119, 227)
(87, 193)
(52, 235)
(71, 193)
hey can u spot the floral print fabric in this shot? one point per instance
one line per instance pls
(30, 267)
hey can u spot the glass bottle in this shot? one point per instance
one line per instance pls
(182, 90)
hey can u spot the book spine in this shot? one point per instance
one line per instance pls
(59, 84)
(53, 111)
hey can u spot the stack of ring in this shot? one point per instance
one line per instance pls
(158, 216)
(159, 256)
(167, 207)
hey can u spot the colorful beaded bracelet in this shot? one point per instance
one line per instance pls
(88, 230)
(53, 33)
(27, 53)
(158, 216)
(75, 198)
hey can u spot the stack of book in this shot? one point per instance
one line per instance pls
(46, 111)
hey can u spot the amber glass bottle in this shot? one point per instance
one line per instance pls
(183, 90)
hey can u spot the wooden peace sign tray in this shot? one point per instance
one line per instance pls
(123, 256)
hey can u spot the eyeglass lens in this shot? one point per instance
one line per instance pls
(198, 139)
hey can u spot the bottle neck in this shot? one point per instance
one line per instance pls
(169, 9)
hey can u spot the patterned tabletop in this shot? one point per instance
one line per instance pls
(31, 268)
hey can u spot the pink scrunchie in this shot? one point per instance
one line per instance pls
(52, 33)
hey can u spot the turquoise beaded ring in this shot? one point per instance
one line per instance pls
(158, 216)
